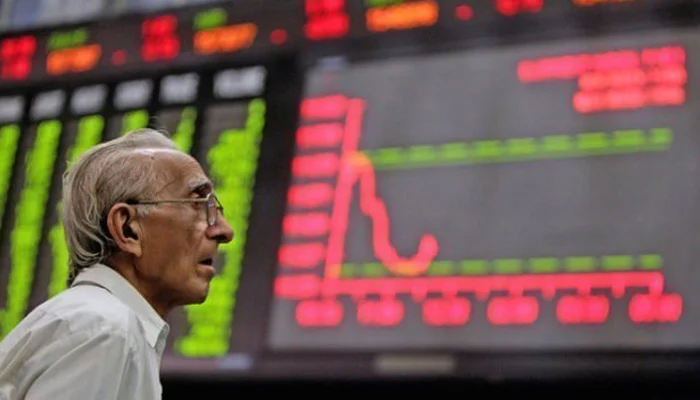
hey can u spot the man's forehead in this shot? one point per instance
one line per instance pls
(181, 170)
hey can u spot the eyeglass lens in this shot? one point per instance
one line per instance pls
(212, 210)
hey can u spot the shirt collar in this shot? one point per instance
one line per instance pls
(156, 328)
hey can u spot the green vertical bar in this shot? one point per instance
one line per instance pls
(90, 130)
(184, 133)
(233, 162)
(29, 216)
(9, 137)
(133, 120)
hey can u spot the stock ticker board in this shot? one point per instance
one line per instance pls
(535, 194)
(64, 124)
(548, 186)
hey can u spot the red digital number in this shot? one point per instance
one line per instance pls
(160, 41)
(513, 7)
(326, 19)
(16, 56)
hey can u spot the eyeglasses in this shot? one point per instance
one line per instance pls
(213, 207)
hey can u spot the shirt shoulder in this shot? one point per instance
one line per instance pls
(87, 310)
(83, 326)
(91, 307)
(36, 360)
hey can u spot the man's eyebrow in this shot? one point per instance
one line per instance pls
(197, 184)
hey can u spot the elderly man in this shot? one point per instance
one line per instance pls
(142, 226)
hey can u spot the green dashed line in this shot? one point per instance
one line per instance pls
(651, 261)
(441, 268)
(543, 264)
(580, 264)
(523, 149)
(508, 266)
(374, 270)
(473, 267)
(505, 266)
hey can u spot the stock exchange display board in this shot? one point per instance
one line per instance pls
(452, 177)
(218, 117)
(548, 186)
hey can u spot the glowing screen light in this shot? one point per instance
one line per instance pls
(9, 137)
(160, 41)
(510, 8)
(407, 15)
(232, 163)
(79, 59)
(590, 3)
(90, 130)
(465, 257)
(214, 36)
(225, 39)
(624, 79)
(28, 224)
(16, 57)
(326, 19)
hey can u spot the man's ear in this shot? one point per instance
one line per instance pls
(125, 231)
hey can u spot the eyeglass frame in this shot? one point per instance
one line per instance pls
(210, 205)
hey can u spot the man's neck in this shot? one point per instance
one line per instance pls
(129, 272)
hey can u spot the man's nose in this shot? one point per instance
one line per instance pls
(222, 232)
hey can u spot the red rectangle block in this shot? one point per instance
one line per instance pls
(297, 286)
(305, 255)
(307, 225)
(329, 107)
(324, 165)
(321, 135)
(311, 195)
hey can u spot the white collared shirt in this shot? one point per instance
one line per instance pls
(99, 339)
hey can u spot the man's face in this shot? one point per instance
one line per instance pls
(178, 246)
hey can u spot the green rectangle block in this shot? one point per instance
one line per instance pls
(347, 270)
(580, 264)
(488, 149)
(660, 136)
(629, 138)
(521, 146)
(543, 264)
(373, 269)
(618, 262)
(454, 151)
(474, 267)
(592, 141)
(421, 154)
(441, 268)
(508, 266)
(388, 155)
(557, 143)
(650, 261)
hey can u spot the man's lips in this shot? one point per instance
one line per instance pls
(207, 261)
(209, 267)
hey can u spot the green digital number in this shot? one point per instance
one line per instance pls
(90, 130)
(184, 133)
(233, 162)
(134, 120)
(9, 137)
(26, 233)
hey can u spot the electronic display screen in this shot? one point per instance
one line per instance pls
(511, 197)
(217, 116)
(455, 177)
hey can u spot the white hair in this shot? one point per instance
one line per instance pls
(109, 173)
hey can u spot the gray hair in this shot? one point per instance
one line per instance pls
(107, 174)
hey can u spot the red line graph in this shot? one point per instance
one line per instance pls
(319, 237)
(356, 168)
